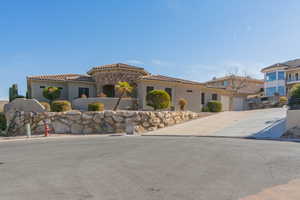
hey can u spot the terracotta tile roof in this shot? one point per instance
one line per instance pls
(118, 66)
(168, 79)
(62, 77)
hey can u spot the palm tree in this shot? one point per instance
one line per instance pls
(122, 87)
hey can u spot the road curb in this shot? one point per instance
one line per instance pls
(229, 137)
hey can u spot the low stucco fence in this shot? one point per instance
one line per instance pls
(76, 122)
(109, 103)
(292, 124)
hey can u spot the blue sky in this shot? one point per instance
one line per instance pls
(194, 39)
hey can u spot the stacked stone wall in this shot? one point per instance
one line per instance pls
(76, 122)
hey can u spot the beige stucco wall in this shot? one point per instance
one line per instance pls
(293, 119)
(142, 89)
(178, 91)
(69, 89)
(37, 92)
(193, 98)
(109, 103)
(73, 89)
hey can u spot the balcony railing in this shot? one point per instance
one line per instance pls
(293, 80)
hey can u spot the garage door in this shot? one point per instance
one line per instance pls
(225, 102)
(238, 103)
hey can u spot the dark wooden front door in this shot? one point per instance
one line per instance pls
(109, 90)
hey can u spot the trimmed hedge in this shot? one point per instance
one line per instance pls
(283, 100)
(46, 105)
(205, 109)
(96, 106)
(158, 99)
(2, 122)
(214, 106)
(61, 106)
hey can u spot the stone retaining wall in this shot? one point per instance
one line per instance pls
(76, 122)
(109, 103)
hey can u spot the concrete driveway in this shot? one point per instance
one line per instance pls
(267, 123)
(149, 168)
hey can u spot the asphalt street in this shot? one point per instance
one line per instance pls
(145, 167)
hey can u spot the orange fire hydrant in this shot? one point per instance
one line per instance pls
(47, 129)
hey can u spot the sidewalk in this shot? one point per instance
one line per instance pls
(52, 136)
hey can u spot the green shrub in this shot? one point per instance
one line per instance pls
(97, 106)
(158, 99)
(61, 106)
(294, 101)
(182, 103)
(2, 122)
(46, 105)
(295, 91)
(214, 106)
(51, 93)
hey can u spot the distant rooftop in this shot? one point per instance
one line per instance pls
(288, 64)
(234, 76)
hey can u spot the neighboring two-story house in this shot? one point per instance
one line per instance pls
(240, 84)
(280, 77)
(102, 80)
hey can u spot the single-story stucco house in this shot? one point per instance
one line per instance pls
(102, 80)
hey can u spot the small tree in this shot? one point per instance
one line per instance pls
(13, 92)
(123, 88)
(294, 101)
(295, 91)
(158, 99)
(182, 103)
(51, 93)
(238, 80)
